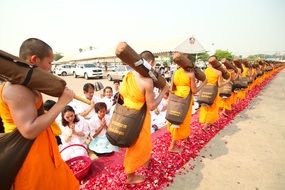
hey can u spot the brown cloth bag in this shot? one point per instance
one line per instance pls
(125, 125)
(177, 106)
(226, 90)
(13, 151)
(208, 94)
(17, 71)
(240, 83)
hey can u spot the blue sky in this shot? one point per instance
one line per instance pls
(243, 26)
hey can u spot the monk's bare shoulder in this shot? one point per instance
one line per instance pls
(144, 83)
(14, 92)
(147, 83)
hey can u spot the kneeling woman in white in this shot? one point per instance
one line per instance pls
(98, 127)
(107, 98)
(75, 131)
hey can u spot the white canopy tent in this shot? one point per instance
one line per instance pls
(190, 46)
(160, 47)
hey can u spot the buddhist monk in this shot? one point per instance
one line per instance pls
(210, 114)
(43, 167)
(184, 84)
(136, 91)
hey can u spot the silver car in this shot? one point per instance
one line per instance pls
(63, 70)
(119, 72)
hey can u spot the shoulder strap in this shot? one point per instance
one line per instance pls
(172, 85)
(1, 87)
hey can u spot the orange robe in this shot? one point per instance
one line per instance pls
(210, 114)
(226, 103)
(139, 153)
(242, 93)
(43, 167)
(55, 129)
(183, 87)
(253, 72)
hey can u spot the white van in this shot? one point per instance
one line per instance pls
(64, 69)
(87, 70)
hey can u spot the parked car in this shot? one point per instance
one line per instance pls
(201, 64)
(53, 66)
(87, 70)
(64, 69)
(119, 72)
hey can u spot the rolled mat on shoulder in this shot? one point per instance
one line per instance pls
(130, 57)
(229, 65)
(17, 71)
(187, 65)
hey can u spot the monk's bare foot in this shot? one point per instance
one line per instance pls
(175, 150)
(135, 179)
(205, 128)
(147, 163)
(225, 114)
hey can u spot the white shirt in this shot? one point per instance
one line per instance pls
(108, 102)
(80, 107)
(94, 124)
(80, 126)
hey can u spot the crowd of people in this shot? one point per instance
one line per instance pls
(68, 122)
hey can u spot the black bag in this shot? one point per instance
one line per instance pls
(177, 108)
(226, 90)
(240, 83)
(208, 94)
(125, 125)
(13, 151)
(259, 73)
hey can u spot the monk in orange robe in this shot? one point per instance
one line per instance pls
(137, 90)
(226, 103)
(210, 114)
(184, 84)
(242, 93)
(43, 167)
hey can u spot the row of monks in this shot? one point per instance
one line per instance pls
(225, 83)
(221, 85)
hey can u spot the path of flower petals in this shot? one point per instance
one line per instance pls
(164, 165)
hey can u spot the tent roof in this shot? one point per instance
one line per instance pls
(189, 45)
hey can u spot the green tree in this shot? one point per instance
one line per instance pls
(220, 54)
(252, 57)
(57, 56)
(192, 57)
(203, 56)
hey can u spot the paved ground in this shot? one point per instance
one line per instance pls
(76, 84)
(249, 154)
